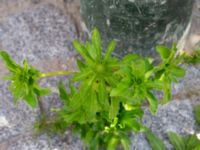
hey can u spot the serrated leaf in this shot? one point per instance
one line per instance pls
(91, 105)
(155, 142)
(192, 142)
(39, 91)
(82, 75)
(80, 64)
(82, 51)
(167, 92)
(109, 50)
(10, 64)
(112, 144)
(31, 99)
(131, 123)
(96, 41)
(163, 51)
(91, 50)
(62, 92)
(125, 140)
(176, 141)
(103, 96)
(121, 89)
(197, 147)
(114, 108)
(197, 113)
(153, 102)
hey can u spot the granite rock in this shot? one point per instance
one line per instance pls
(176, 116)
(138, 25)
(43, 35)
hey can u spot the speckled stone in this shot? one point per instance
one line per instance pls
(138, 25)
(38, 34)
(44, 36)
(176, 116)
(189, 86)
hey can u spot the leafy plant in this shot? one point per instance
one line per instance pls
(192, 58)
(103, 101)
(155, 142)
(24, 81)
(197, 113)
(190, 142)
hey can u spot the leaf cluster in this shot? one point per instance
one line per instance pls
(103, 101)
(24, 81)
(108, 102)
(192, 58)
(190, 142)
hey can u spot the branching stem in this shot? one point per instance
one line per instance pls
(49, 74)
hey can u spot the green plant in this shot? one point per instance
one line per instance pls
(197, 113)
(192, 58)
(190, 142)
(106, 95)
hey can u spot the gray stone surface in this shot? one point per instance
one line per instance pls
(177, 116)
(38, 34)
(189, 86)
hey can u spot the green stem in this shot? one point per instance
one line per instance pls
(49, 74)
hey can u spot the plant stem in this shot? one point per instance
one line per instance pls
(49, 74)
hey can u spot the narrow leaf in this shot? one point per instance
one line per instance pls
(197, 113)
(155, 142)
(153, 102)
(114, 108)
(80, 64)
(96, 41)
(62, 92)
(82, 51)
(109, 50)
(31, 99)
(176, 141)
(11, 65)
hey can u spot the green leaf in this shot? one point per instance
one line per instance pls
(125, 140)
(62, 92)
(112, 144)
(96, 41)
(197, 113)
(91, 105)
(91, 50)
(131, 123)
(10, 64)
(192, 142)
(72, 88)
(31, 99)
(197, 147)
(109, 50)
(80, 64)
(176, 141)
(178, 71)
(163, 51)
(82, 75)
(129, 57)
(167, 92)
(155, 142)
(82, 51)
(103, 96)
(153, 102)
(39, 91)
(121, 89)
(114, 108)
